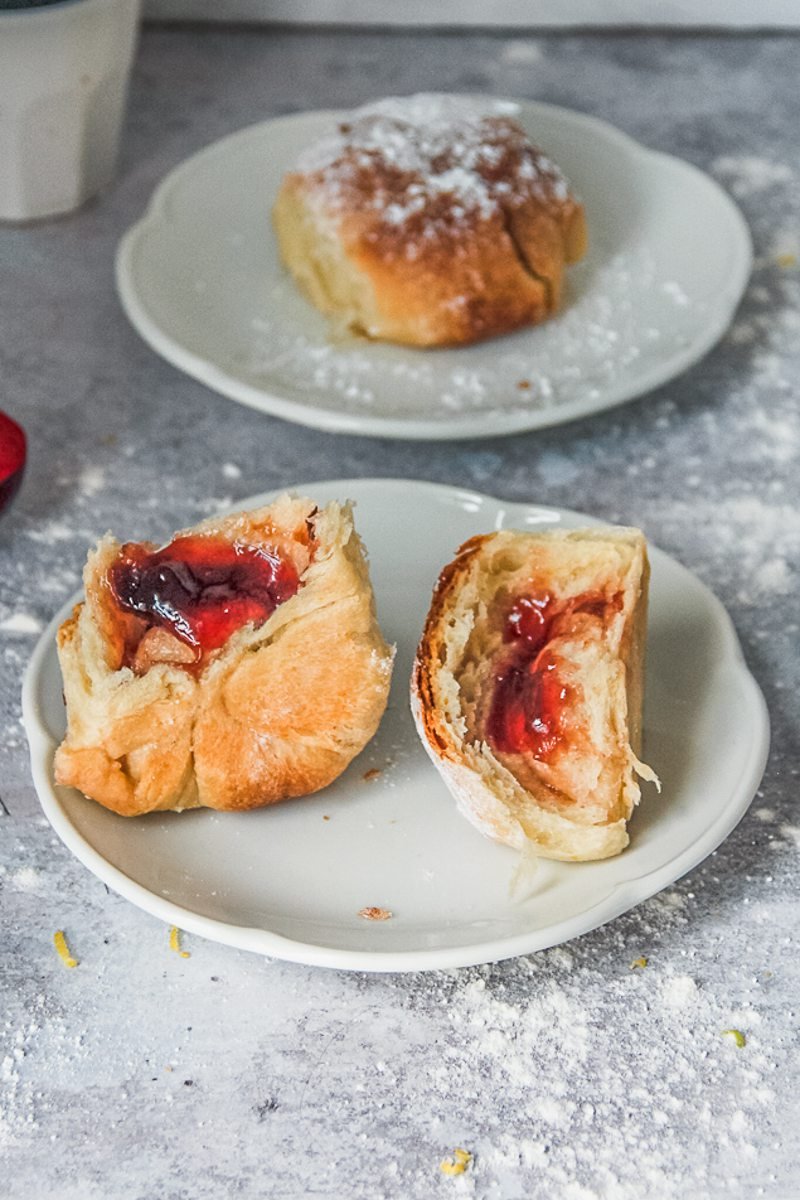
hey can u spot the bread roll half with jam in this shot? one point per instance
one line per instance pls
(239, 665)
(429, 220)
(527, 687)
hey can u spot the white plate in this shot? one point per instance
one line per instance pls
(670, 255)
(285, 882)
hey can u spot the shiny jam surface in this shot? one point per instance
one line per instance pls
(201, 589)
(529, 699)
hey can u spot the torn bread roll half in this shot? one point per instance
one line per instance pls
(527, 687)
(429, 220)
(239, 665)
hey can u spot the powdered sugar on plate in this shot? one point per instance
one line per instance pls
(667, 262)
(595, 343)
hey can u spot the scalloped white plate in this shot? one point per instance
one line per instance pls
(199, 277)
(287, 882)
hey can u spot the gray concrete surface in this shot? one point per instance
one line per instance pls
(143, 1075)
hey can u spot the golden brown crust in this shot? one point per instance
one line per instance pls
(278, 711)
(429, 224)
(576, 809)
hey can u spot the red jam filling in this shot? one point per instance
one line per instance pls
(529, 699)
(201, 589)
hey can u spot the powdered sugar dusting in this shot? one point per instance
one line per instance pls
(679, 991)
(574, 1087)
(436, 160)
(26, 879)
(748, 175)
(24, 623)
(604, 335)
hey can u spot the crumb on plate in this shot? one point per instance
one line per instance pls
(375, 914)
(371, 774)
(638, 962)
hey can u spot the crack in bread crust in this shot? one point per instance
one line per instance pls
(429, 224)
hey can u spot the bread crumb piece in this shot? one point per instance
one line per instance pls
(175, 942)
(524, 385)
(375, 914)
(371, 774)
(638, 962)
(456, 1165)
(786, 260)
(63, 949)
(737, 1036)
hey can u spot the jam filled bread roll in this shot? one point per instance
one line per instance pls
(527, 687)
(429, 220)
(239, 665)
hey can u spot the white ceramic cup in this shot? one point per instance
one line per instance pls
(64, 72)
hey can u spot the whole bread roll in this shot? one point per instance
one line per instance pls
(239, 665)
(527, 687)
(429, 220)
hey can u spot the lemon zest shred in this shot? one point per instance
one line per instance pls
(737, 1036)
(638, 962)
(456, 1165)
(64, 953)
(175, 942)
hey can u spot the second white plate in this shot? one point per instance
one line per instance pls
(200, 278)
(289, 881)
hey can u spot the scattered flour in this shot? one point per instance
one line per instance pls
(26, 879)
(54, 531)
(598, 342)
(748, 174)
(91, 481)
(571, 1089)
(24, 623)
(679, 991)
(521, 53)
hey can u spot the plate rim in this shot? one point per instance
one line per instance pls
(271, 944)
(455, 428)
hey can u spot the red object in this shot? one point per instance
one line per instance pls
(201, 589)
(527, 708)
(13, 450)
(529, 698)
